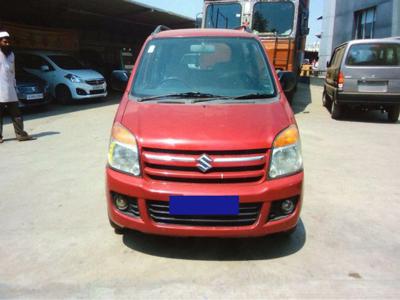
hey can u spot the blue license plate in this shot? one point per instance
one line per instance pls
(204, 205)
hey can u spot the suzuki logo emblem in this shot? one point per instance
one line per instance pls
(204, 163)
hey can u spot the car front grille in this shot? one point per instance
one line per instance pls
(248, 215)
(237, 166)
(97, 92)
(95, 81)
(133, 209)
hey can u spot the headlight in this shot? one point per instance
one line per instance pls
(74, 78)
(286, 158)
(123, 154)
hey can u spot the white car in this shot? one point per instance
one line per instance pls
(68, 79)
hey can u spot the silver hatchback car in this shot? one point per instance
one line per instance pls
(365, 74)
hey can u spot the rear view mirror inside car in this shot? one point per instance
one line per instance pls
(202, 48)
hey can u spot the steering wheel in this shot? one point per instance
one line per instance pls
(173, 82)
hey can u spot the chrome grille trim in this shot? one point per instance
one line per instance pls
(239, 159)
(169, 158)
(210, 166)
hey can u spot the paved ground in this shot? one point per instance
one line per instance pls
(55, 241)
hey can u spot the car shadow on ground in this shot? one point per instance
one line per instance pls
(357, 115)
(218, 249)
(302, 97)
(54, 109)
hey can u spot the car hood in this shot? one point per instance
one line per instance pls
(205, 127)
(86, 74)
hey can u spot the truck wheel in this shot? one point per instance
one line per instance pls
(63, 94)
(117, 229)
(393, 113)
(336, 110)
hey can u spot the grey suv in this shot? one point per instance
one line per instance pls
(364, 74)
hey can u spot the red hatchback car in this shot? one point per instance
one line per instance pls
(204, 142)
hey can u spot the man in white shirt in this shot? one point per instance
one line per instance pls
(8, 95)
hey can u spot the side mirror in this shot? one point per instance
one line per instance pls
(328, 64)
(45, 68)
(120, 75)
(305, 31)
(304, 23)
(119, 80)
(287, 80)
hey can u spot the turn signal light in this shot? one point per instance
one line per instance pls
(288, 137)
(121, 134)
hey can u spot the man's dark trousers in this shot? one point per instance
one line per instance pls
(16, 117)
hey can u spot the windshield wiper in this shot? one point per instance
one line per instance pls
(188, 95)
(255, 96)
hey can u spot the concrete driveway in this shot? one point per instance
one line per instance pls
(55, 240)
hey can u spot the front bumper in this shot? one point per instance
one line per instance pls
(87, 91)
(144, 190)
(24, 102)
(80, 97)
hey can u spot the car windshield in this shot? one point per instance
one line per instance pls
(226, 15)
(374, 55)
(273, 17)
(66, 62)
(204, 67)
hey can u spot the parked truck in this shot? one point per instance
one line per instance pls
(281, 25)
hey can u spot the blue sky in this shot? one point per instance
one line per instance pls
(191, 8)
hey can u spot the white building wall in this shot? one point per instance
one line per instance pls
(338, 22)
(396, 18)
(328, 26)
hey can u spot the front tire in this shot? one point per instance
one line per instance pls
(117, 229)
(393, 113)
(63, 95)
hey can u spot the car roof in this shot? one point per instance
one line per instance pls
(176, 33)
(371, 41)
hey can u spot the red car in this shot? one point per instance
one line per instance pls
(204, 142)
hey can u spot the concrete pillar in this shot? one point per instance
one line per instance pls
(328, 29)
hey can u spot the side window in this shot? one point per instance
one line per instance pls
(20, 61)
(37, 62)
(24, 60)
(340, 56)
(337, 57)
(398, 53)
(333, 58)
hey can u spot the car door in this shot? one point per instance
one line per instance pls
(333, 70)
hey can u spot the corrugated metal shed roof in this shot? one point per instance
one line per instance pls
(90, 13)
